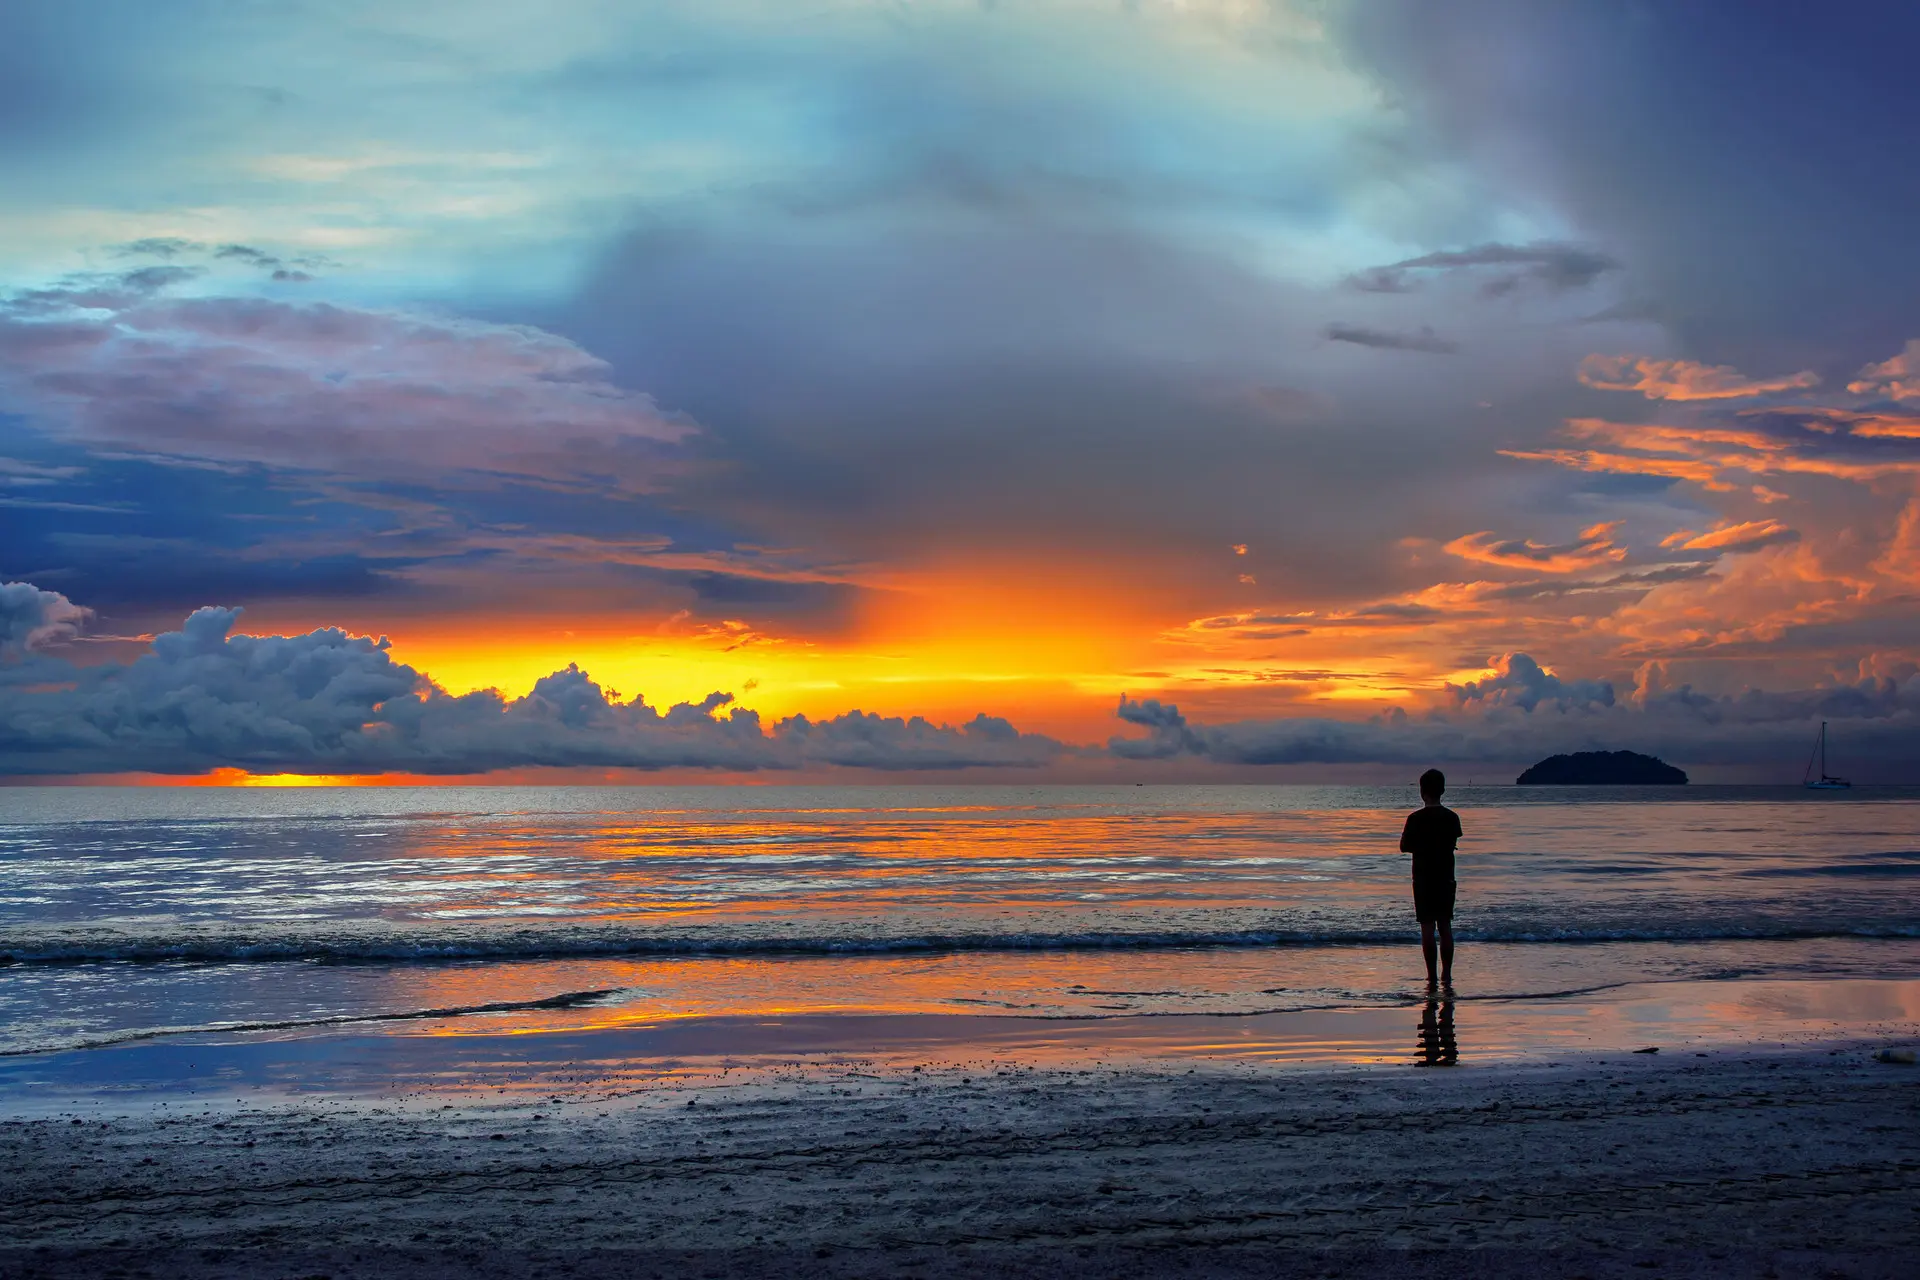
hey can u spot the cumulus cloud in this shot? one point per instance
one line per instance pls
(112, 359)
(1525, 713)
(1168, 734)
(1684, 379)
(203, 697)
(1594, 547)
(1897, 377)
(1424, 339)
(31, 618)
(1519, 681)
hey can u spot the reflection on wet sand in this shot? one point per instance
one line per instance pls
(532, 1053)
(1436, 1046)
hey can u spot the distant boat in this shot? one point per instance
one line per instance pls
(1826, 781)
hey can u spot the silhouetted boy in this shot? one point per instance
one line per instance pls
(1430, 835)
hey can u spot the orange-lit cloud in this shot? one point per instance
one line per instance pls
(1709, 455)
(1898, 376)
(1595, 546)
(1684, 379)
(1887, 427)
(1655, 437)
(1745, 536)
(1705, 474)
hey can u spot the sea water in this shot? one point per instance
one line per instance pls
(136, 914)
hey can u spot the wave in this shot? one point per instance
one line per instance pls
(565, 1000)
(1878, 870)
(427, 949)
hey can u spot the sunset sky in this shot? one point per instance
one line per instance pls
(1379, 383)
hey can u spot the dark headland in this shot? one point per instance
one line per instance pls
(1603, 769)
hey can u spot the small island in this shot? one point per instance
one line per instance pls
(1603, 769)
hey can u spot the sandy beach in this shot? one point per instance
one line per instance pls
(1725, 1163)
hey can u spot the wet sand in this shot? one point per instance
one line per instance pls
(1734, 1163)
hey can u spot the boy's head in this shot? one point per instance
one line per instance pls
(1433, 784)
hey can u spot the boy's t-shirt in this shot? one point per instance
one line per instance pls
(1430, 835)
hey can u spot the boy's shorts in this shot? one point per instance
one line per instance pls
(1433, 900)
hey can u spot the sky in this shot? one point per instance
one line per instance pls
(864, 389)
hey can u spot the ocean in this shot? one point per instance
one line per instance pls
(144, 915)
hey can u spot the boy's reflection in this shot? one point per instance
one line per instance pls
(1436, 1045)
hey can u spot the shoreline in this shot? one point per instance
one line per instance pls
(1726, 1165)
(549, 1045)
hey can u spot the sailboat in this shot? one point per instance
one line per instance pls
(1826, 781)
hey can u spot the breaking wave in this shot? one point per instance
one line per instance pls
(432, 947)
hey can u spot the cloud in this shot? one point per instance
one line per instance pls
(1594, 547)
(1881, 426)
(1519, 681)
(1636, 582)
(1168, 733)
(1897, 377)
(1381, 280)
(379, 394)
(31, 618)
(277, 266)
(1684, 379)
(1395, 615)
(1768, 230)
(1525, 713)
(1421, 340)
(1798, 441)
(16, 473)
(1748, 535)
(203, 697)
(907, 396)
(1554, 265)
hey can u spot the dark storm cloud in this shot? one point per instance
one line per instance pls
(1742, 158)
(1005, 312)
(1421, 340)
(882, 391)
(327, 702)
(144, 541)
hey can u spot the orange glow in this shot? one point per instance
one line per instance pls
(1052, 649)
(228, 777)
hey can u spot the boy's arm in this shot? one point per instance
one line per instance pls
(1406, 834)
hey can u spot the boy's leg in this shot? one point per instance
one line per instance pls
(1427, 949)
(1446, 954)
